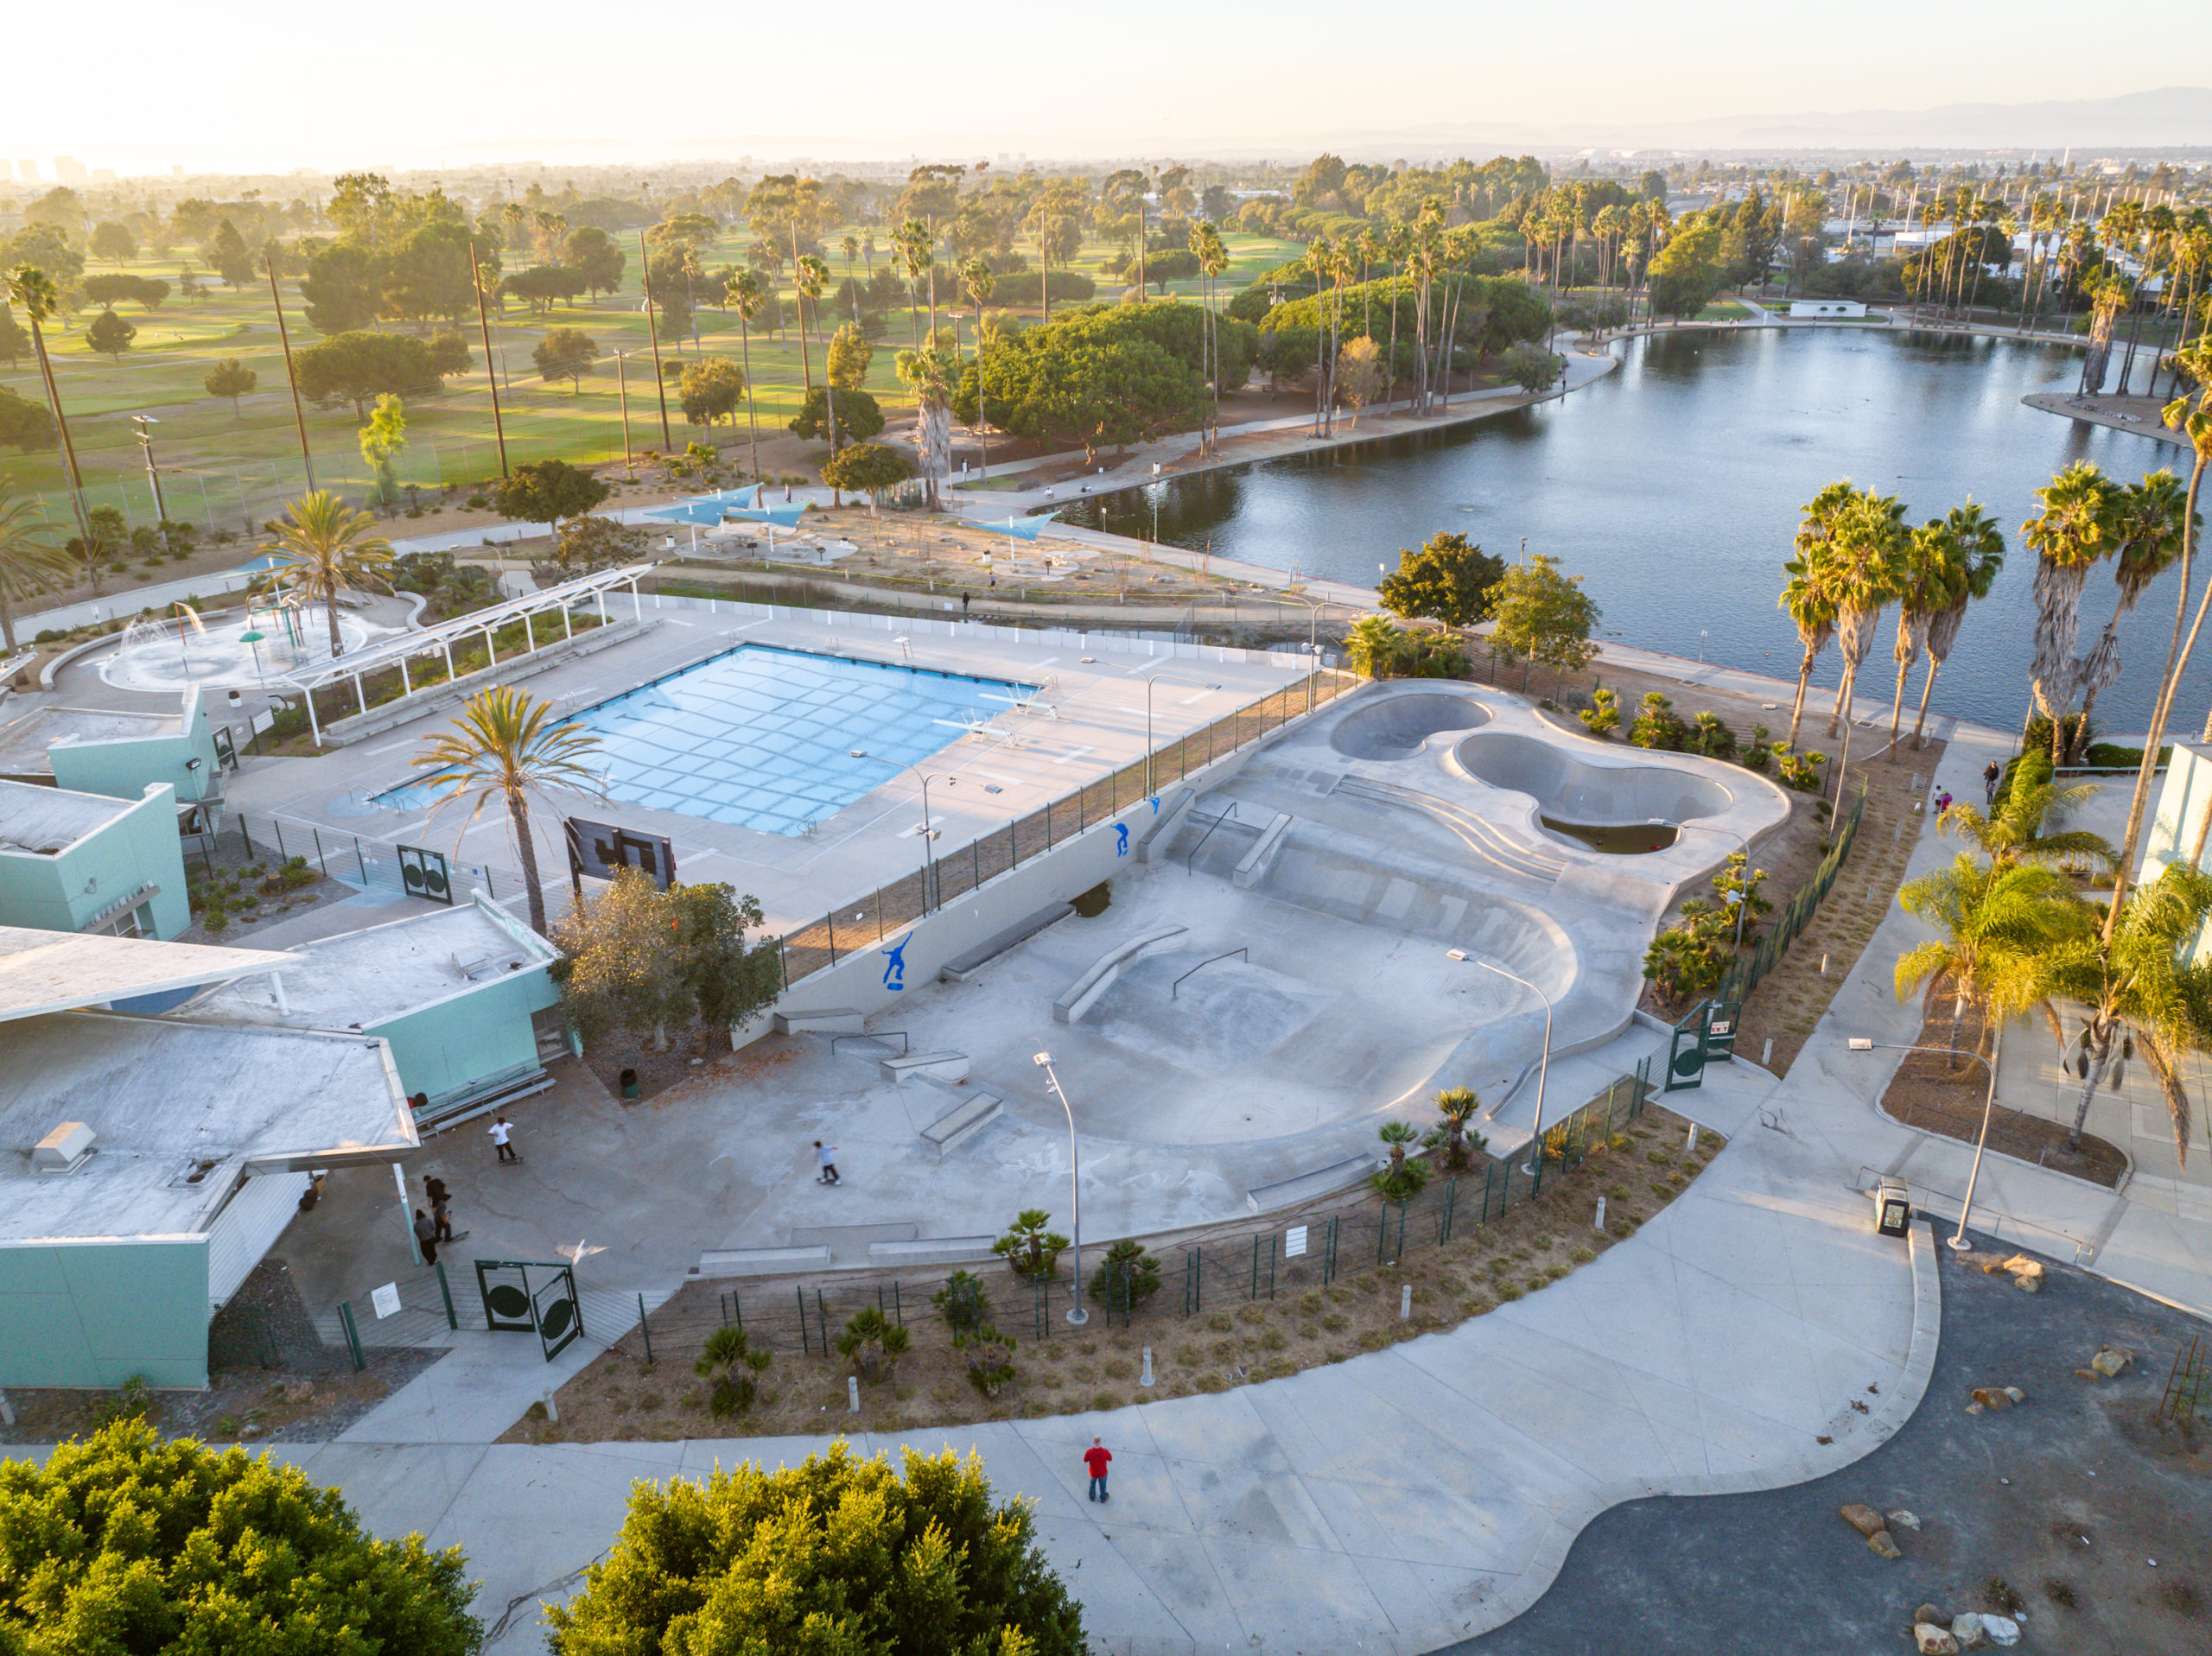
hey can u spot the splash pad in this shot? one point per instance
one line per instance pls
(161, 655)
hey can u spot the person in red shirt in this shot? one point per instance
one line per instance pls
(1096, 1458)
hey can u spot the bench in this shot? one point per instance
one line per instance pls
(930, 1250)
(763, 1261)
(1254, 868)
(829, 1020)
(1311, 1186)
(1083, 992)
(964, 1118)
(937, 1066)
(962, 968)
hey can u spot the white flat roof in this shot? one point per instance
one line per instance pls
(361, 978)
(169, 1100)
(24, 741)
(58, 971)
(46, 821)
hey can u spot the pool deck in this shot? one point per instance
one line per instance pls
(1095, 689)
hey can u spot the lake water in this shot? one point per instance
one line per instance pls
(1674, 486)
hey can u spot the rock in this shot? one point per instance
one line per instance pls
(1864, 1519)
(299, 1392)
(2000, 1629)
(1992, 1397)
(1990, 1268)
(2022, 1268)
(1967, 1629)
(2028, 1285)
(2016, 1394)
(2087, 1375)
(1932, 1641)
(1974, 1408)
(249, 1430)
(1929, 1613)
(1881, 1546)
(2111, 1360)
(1902, 1520)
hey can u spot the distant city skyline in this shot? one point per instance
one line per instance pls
(271, 88)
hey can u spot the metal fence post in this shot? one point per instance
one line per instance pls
(316, 833)
(1329, 1261)
(359, 858)
(803, 1345)
(445, 1289)
(1252, 1292)
(353, 1335)
(1443, 1224)
(281, 852)
(1402, 1206)
(643, 1328)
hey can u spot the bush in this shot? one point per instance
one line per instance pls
(1129, 1276)
(1029, 1248)
(838, 1554)
(875, 1343)
(1709, 736)
(990, 1357)
(1759, 750)
(1381, 650)
(730, 1363)
(1603, 717)
(1658, 725)
(1799, 770)
(963, 1303)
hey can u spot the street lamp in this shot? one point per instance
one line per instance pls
(1077, 1316)
(1860, 1044)
(154, 475)
(1543, 1064)
(929, 832)
(1148, 683)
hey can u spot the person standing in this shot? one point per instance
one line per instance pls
(500, 1132)
(1097, 1457)
(827, 1155)
(441, 1206)
(426, 1237)
(1991, 774)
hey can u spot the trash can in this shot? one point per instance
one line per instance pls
(1893, 1208)
(629, 1083)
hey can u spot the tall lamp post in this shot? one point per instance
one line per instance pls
(1148, 683)
(1860, 1044)
(144, 422)
(1543, 1064)
(928, 831)
(1076, 1314)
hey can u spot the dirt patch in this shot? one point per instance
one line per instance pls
(1278, 1319)
(1938, 1093)
(250, 890)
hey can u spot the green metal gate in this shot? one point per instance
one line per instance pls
(1707, 1036)
(546, 1307)
(425, 873)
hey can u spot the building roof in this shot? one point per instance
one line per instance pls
(46, 821)
(364, 979)
(181, 1110)
(24, 741)
(59, 971)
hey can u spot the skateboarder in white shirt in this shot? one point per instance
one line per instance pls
(500, 1131)
(827, 1155)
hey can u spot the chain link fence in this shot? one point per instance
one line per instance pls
(1744, 975)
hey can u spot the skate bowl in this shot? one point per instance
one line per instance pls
(1569, 788)
(1393, 727)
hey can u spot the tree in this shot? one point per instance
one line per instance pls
(848, 356)
(591, 543)
(503, 748)
(357, 368)
(13, 340)
(228, 254)
(1531, 367)
(746, 295)
(2027, 826)
(167, 1545)
(382, 437)
(860, 417)
(30, 563)
(324, 546)
(711, 390)
(1805, 597)
(101, 545)
(1544, 616)
(232, 378)
(110, 335)
(546, 491)
(112, 241)
(731, 1364)
(543, 286)
(1992, 924)
(837, 1555)
(1449, 580)
(1359, 374)
(1401, 1180)
(344, 287)
(1687, 272)
(23, 422)
(1974, 548)
(1031, 1247)
(867, 468)
(875, 1343)
(1862, 566)
(565, 353)
(429, 272)
(618, 969)
(1126, 1277)
(2147, 528)
(1455, 1110)
(34, 292)
(2074, 529)
(932, 373)
(596, 256)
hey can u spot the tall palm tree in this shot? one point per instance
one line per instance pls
(912, 243)
(747, 296)
(932, 373)
(2146, 521)
(2029, 829)
(1925, 577)
(31, 291)
(502, 747)
(1871, 541)
(2136, 990)
(977, 281)
(325, 546)
(1213, 262)
(1975, 546)
(1992, 923)
(812, 275)
(30, 563)
(1810, 606)
(2074, 530)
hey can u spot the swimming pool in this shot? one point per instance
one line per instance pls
(763, 738)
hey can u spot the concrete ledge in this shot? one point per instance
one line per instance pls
(831, 1020)
(357, 727)
(937, 1066)
(1154, 840)
(763, 1261)
(1307, 1187)
(962, 1120)
(1254, 866)
(962, 968)
(1083, 992)
(930, 1250)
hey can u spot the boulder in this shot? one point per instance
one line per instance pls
(1967, 1629)
(2000, 1629)
(1992, 1397)
(1975, 1408)
(299, 1391)
(1902, 1520)
(1929, 1613)
(2028, 1285)
(2022, 1269)
(2016, 1394)
(2111, 1360)
(1930, 1639)
(1881, 1546)
(1864, 1519)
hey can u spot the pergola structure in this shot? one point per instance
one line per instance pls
(395, 652)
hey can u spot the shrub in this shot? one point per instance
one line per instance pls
(1799, 770)
(989, 1358)
(1129, 1276)
(1402, 1179)
(875, 1343)
(1657, 725)
(1029, 1248)
(1757, 752)
(1710, 737)
(1603, 717)
(730, 1363)
(962, 1303)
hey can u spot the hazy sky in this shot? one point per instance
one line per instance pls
(252, 82)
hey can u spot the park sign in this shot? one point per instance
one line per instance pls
(598, 849)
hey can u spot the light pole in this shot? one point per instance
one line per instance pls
(1076, 1314)
(1543, 1064)
(1148, 683)
(153, 476)
(1860, 1044)
(929, 832)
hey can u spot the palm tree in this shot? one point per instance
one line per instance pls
(747, 296)
(2074, 532)
(978, 283)
(502, 747)
(1974, 546)
(30, 563)
(1805, 598)
(1455, 1108)
(912, 243)
(810, 275)
(2146, 523)
(1993, 924)
(932, 372)
(2136, 990)
(327, 546)
(2030, 827)
(1213, 262)
(30, 290)
(1871, 541)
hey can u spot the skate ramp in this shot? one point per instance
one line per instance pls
(1569, 788)
(1393, 727)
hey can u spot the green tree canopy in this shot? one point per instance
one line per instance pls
(850, 356)
(229, 255)
(1687, 272)
(113, 241)
(565, 353)
(860, 417)
(866, 468)
(596, 256)
(357, 368)
(1448, 579)
(165, 1545)
(648, 962)
(110, 333)
(711, 390)
(14, 341)
(836, 1555)
(547, 492)
(343, 288)
(543, 286)
(1544, 616)
(1531, 367)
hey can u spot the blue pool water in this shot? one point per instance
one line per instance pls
(762, 737)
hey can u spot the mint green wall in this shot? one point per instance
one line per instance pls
(93, 1313)
(142, 845)
(124, 769)
(2183, 798)
(456, 1044)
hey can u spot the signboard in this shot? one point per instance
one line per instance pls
(385, 1299)
(1294, 1241)
(598, 849)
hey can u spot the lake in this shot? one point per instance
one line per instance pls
(1675, 484)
